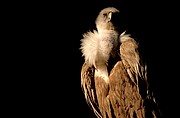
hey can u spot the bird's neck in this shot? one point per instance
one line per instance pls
(106, 42)
(108, 31)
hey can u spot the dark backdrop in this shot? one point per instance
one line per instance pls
(51, 60)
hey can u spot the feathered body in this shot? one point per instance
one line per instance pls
(114, 93)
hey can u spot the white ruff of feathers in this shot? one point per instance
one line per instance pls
(96, 48)
(89, 47)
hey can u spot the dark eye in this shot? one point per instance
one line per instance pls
(105, 14)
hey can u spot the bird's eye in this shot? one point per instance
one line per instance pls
(105, 14)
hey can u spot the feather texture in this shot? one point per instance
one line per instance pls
(121, 92)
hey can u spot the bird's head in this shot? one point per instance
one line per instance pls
(107, 18)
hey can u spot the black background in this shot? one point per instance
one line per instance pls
(47, 60)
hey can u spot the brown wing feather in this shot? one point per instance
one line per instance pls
(129, 89)
(131, 59)
(125, 99)
(88, 87)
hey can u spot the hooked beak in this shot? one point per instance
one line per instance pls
(109, 16)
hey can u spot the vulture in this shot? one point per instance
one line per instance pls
(113, 74)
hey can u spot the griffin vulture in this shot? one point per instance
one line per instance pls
(113, 75)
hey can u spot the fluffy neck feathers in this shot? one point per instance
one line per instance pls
(96, 48)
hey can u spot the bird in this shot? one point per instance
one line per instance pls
(114, 74)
